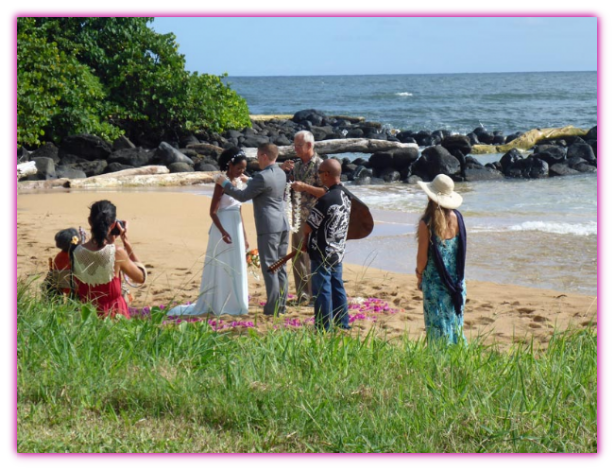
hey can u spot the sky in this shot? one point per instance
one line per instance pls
(273, 46)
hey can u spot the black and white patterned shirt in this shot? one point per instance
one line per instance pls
(329, 220)
(307, 173)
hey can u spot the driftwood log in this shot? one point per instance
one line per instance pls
(152, 175)
(100, 181)
(172, 179)
(42, 185)
(529, 139)
(325, 147)
(143, 170)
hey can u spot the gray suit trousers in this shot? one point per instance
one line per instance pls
(271, 247)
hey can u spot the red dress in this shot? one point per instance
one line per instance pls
(95, 280)
(62, 263)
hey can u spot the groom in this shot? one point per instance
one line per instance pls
(266, 189)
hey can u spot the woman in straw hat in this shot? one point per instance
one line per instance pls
(440, 267)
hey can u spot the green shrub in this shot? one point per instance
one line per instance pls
(56, 94)
(108, 76)
(213, 105)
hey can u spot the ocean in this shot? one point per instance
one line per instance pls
(537, 233)
(508, 102)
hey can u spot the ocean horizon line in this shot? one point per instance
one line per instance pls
(406, 74)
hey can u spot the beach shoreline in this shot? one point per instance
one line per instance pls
(168, 230)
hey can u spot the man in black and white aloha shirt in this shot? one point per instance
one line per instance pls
(325, 235)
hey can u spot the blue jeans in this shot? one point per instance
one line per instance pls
(331, 305)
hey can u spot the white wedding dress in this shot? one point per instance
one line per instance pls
(223, 287)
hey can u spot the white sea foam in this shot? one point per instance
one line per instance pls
(560, 228)
(404, 93)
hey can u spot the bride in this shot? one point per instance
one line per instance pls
(223, 287)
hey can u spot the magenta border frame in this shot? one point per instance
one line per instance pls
(273, 8)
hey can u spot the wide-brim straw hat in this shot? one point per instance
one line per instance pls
(441, 191)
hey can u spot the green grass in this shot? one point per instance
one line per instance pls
(92, 385)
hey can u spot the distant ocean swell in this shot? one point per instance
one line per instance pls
(560, 228)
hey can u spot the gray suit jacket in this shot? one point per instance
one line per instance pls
(266, 190)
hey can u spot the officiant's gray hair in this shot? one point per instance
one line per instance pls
(306, 136)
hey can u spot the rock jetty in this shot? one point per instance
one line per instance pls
(390, 155)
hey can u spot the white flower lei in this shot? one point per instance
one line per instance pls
(293, 210)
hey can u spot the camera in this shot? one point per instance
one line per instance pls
(115, 230)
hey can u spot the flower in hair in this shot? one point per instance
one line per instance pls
(75, 240)
(237, 155)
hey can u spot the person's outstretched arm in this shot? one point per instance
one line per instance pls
(255, 186)
(315, 191)
(127, 258)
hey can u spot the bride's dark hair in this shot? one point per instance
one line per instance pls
(102, 215)
(232, 155)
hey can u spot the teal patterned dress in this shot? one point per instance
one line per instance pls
(440, 318)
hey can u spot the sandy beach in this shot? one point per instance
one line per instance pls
(169, 233)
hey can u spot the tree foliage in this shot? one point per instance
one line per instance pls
(108, 76)
(56, 95)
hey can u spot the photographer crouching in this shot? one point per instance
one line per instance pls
(98, 263)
